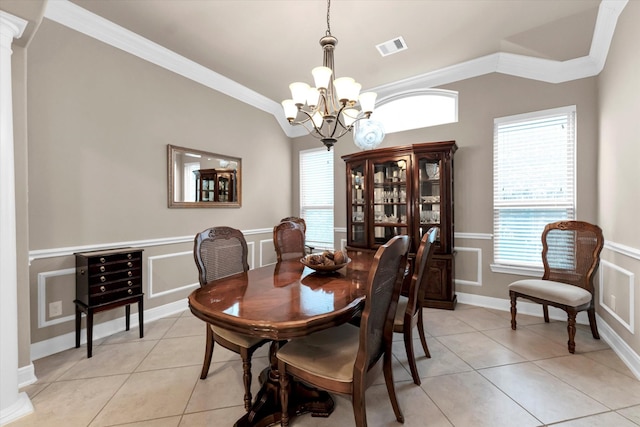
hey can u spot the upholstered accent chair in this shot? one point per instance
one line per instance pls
(570, 255)
(409, 311)
(221, 252)
(288, 239)
(339, 359)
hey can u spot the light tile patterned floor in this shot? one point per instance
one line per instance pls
(481, 373)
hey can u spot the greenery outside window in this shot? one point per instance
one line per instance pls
(534, 168)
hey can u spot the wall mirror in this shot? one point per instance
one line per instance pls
(199, 179)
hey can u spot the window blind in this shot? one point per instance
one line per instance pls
(316, 196)
(534, 181)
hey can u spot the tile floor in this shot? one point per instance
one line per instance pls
(481, 373)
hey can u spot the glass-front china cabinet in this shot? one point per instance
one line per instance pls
(405, 190)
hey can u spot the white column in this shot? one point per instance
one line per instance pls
(13, 405)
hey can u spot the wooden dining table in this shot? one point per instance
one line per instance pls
(280, 302)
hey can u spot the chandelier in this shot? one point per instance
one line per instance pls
(328, 110)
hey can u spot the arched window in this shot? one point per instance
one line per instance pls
(417, 109)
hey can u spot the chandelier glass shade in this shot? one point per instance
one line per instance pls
(330, 108)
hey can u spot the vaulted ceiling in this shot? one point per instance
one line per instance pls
(261, 46)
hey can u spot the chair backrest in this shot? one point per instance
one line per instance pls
(219, 252)
(571, 252)
(382, 292)
(423, 257)
(297, 220)
(288, 239)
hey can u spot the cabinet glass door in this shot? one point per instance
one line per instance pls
(358, 212)
(390, 199)
(429, 193)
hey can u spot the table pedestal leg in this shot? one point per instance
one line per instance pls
(266, 408)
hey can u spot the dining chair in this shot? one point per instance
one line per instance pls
(338, 359)
(303, 224)
(409, 311)
(570, 255)
(221, 252)
(288, 239)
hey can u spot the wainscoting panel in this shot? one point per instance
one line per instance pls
(617, 293)
(468, 266)
(166, 274)
(47, 279)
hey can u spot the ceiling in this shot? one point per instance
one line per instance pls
(267, 44)
(253, 49)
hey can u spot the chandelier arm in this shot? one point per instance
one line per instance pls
(313, 129)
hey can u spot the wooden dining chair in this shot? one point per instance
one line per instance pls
(409, 311)
(570, 255)
(288, 239)
(303, 224)
(339, 359)
(220, 252)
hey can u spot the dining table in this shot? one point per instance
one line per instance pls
(281, 302)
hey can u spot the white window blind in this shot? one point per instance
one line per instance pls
(533, 181)
(316, 196)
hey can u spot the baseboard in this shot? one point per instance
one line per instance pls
(26, 375)
(101, 330)
(19, 409)
(617, 344)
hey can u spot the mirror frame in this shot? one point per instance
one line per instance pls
(171, 150)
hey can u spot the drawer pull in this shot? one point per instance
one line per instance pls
(102, 289)
(129, 256)
(130, 283)
(103, 279)
(129, 273)
(102, 260)
(130, 264)
(130, 291)
(102, 269)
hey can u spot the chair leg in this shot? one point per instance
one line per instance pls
(571, 329)
(284, 394)
(388, 379)
(208, 353)
(423, 339)
(592, 322)
(545, 311)
(514, 311)
(411, 357)
(358, 402)
(246, 377)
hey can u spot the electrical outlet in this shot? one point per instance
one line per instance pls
(613, 303)
(55, 308)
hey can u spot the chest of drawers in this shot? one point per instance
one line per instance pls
(106, 280)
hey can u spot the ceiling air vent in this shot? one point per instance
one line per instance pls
(392, 46)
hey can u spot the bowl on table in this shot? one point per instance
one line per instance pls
(321, 264)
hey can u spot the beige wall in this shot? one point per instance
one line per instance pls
(619, 177)
(481, 100)
(99, 124)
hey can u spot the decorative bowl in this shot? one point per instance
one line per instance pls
(324, 268)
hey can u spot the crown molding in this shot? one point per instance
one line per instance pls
(73, 16)
(11, 25)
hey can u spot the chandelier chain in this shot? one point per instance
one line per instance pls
(328, 24)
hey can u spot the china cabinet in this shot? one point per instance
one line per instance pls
(215, 185)
(405, 190)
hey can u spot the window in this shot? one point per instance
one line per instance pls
(316, 196)
(533, 182)
(417, 109)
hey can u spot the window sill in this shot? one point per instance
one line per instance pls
(517, 270)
